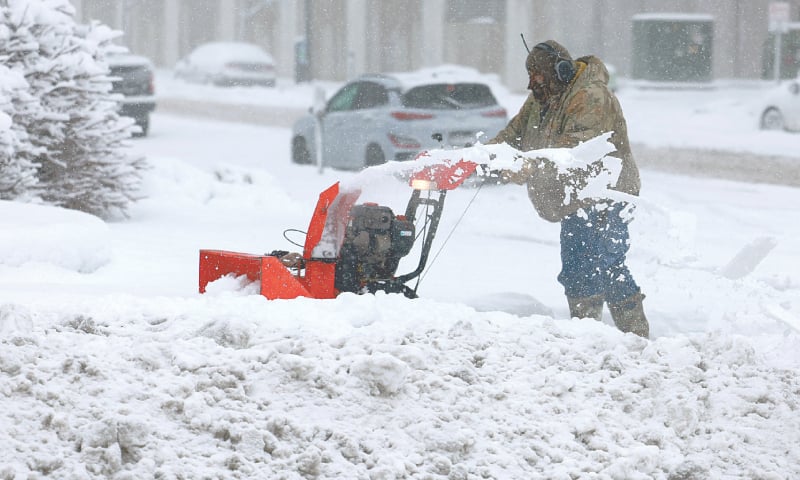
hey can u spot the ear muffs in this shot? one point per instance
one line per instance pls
(565, 69)
(565, 72)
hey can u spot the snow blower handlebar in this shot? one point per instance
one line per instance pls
(432, 223)
(440, 178)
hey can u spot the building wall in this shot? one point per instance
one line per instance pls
(349, 37)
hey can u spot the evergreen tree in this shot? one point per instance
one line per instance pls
(17, 170)
(79, 139)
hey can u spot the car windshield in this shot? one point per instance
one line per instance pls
(449, 96)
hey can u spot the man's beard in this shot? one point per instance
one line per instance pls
(539, 93)
(547, 92)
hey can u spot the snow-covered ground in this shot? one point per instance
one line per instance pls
(113, 366)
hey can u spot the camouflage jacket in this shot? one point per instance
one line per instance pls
(586, 109)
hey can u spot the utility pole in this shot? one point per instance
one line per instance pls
(308, 41)
(779, 14)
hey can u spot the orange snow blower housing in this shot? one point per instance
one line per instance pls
(348, 247)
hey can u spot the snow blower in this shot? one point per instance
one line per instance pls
(349, 247)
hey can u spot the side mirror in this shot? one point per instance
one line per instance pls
(794, 88)
(318, 105)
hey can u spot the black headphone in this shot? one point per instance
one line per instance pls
(565, 69)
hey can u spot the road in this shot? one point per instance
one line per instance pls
(738, 166)
(255, 114)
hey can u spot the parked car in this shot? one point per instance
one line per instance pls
(132, 76)
(781, 107)
(380, 117)
(228, 64)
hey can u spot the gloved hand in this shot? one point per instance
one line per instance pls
(519, 177)
(528, 170)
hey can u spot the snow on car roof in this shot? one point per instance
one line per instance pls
(675, 17)
(240, 50)
(114, 59)
(439, 74)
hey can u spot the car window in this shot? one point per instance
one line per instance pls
(449, 96)
(344, 99)
(371, 95)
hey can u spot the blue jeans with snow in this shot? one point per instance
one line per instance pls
(594, 242)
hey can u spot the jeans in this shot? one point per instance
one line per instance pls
(594, 242)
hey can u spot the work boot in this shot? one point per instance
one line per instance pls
(629, 316)
(586, 307)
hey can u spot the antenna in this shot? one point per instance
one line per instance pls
(525, 43)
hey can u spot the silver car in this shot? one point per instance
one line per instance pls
(380, 117)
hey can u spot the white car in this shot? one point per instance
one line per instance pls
(393, 116)
(228, 64)
(781, 108)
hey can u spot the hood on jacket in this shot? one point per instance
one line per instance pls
(595, 70)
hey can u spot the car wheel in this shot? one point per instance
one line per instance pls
(144, 124)
(374, 156)
(300, 153)
(772, 119)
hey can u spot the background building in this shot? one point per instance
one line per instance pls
(348, 37)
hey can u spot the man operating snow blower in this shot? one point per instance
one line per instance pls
(571, 103)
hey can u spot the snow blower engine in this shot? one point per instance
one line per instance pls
(374, 242)
(349, 247)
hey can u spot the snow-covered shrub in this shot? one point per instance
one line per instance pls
(77, 139)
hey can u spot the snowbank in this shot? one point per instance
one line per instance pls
(240, 387)
(43, 234)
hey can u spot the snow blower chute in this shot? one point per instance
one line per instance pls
(349, 247)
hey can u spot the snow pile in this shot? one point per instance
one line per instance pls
(68, 239)
(250, 388)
